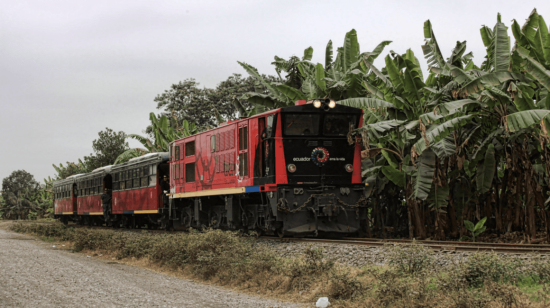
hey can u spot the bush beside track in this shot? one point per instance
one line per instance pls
(410, 278)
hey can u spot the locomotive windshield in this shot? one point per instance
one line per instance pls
(300, 124)
(338, 124)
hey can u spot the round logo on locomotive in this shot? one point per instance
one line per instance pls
(319, 156)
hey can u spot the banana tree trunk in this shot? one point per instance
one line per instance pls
(543, 214)
(451, 213)
(502, 202)
(519, 192)
(530, 206)
(415, 214)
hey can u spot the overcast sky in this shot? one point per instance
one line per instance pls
(68, 69)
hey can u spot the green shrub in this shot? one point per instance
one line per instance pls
(97, 239)
(56, 229)
(489, 266)
(137, 247)
(314, 262)
(540, 268)
(410, 259)
(344, 285)
(170, 249)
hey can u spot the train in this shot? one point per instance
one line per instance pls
(291, 171)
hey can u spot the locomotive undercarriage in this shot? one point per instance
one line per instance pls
(320, 211)
(291, 211)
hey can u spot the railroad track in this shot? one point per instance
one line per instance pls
(449, 246)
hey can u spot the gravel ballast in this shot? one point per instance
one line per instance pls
(35, 274)
(359, 255)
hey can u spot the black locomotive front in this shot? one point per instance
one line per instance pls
(324, 193)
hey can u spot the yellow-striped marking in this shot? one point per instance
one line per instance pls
(146, 212)
(67, 213)
(202, 193)
(95, 213)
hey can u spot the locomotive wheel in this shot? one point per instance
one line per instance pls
(259, 232)
(280, 233)
(214, 221)
(185, 219)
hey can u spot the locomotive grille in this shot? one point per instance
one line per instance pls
(312, 143)
(327, 143)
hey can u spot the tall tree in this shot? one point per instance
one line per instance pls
(205, 107)
(186, 101)
(19, 191)
(107, 148)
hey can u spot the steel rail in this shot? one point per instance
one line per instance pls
(508, 248)
(454, 243)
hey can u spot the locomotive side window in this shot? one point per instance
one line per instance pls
(177, 152)
(269, 127)
(190, 148)
(190, 172)
(243, 155)
(128, 183)
(338, 124)
(243, 138)
(300, 124)
(136, 181)
(213, 143)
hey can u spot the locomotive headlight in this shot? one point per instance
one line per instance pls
(291, 168)
(349, 168)
(317, 103)
(332, 103)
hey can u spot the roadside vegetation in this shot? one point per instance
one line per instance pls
(410, 277)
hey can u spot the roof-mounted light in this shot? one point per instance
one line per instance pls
(316, 103)
(332, 103)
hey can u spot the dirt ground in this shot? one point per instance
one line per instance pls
(35, 274)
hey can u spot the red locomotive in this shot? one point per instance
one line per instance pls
(287, 171)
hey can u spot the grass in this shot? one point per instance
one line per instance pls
(410, 278)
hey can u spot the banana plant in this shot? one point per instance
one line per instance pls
(340, 78)
(163, 134)
(476, 229)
